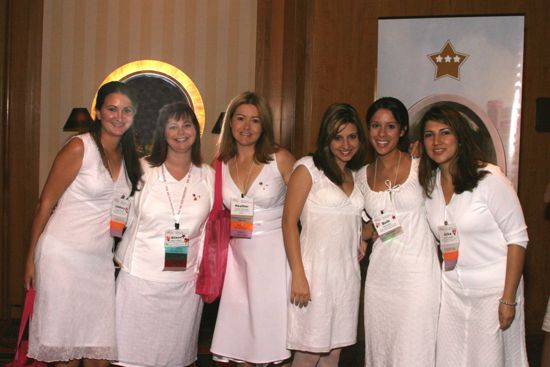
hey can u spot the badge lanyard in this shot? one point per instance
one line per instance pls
(119, 216)
(176, 241)
(242, 210)
(449, 243)
(386, 223)
(119, 212)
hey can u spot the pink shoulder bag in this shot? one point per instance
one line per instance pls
(216, 242)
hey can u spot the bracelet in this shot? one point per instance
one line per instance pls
(512, 304)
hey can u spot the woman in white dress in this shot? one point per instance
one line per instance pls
(251, 324)
(70, 261)
(476, 214)
(403, 276)
(323, 258)
(157, 311)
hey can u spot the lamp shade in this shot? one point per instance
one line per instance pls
(79, 120)
(218, 125)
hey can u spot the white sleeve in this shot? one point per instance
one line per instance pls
(504, 205)
(308, 163)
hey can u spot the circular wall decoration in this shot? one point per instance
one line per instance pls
(157, 83)
(486, 133)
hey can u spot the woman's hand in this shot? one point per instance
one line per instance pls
(362, 250)
(299, 293)
(415, 149)
(29, 273)
(368, 232)
(506, 314)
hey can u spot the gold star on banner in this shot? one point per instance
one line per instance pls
(447, 62)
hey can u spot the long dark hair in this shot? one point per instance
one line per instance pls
(400, 114)
(176, 111)
(127, 142)
(265, 146)
(465, 169)
(337, 115)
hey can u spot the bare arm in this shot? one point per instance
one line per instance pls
(514, 269)
(285, 162)
(64, 170)
(299, 186)
(367, 234)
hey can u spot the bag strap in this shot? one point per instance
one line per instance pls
(27, 314)
(218, 200)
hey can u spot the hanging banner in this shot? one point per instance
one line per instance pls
(472, 63)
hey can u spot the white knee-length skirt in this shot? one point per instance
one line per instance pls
(157, 324)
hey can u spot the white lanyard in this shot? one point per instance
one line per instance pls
(391, 187)
(176, 216)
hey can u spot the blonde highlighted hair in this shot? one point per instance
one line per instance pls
(265, 146)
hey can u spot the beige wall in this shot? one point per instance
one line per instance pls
(212, 41)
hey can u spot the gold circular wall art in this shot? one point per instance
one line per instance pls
(162, 70)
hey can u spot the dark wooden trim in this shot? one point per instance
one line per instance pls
(21, 137)
(269, 52)
(281, 66)
(3, 196)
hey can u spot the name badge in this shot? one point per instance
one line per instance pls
(449, 243)
(176, 247)
(119, 216)
(242, 217)
(387, 225)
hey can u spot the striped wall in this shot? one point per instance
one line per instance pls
(212, 41)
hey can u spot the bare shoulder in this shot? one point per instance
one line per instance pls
(285, 163)
(284, 155)
(301, 175)
(73, 150)
(64, 170)
(213, 162)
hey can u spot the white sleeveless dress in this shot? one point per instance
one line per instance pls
(331, 228)
(403, 280)
(251, 323)
(74, 309)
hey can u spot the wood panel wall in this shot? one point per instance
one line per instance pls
(21, 34)
(312, 53)
(3, 102)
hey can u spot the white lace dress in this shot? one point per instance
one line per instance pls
(74, 310)
(331, 227)
(403, 280)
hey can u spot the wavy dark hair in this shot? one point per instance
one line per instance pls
(465, 169)
(400, 114)
(335, 117)
(176, 111)
(265, 146)
(127, 142)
